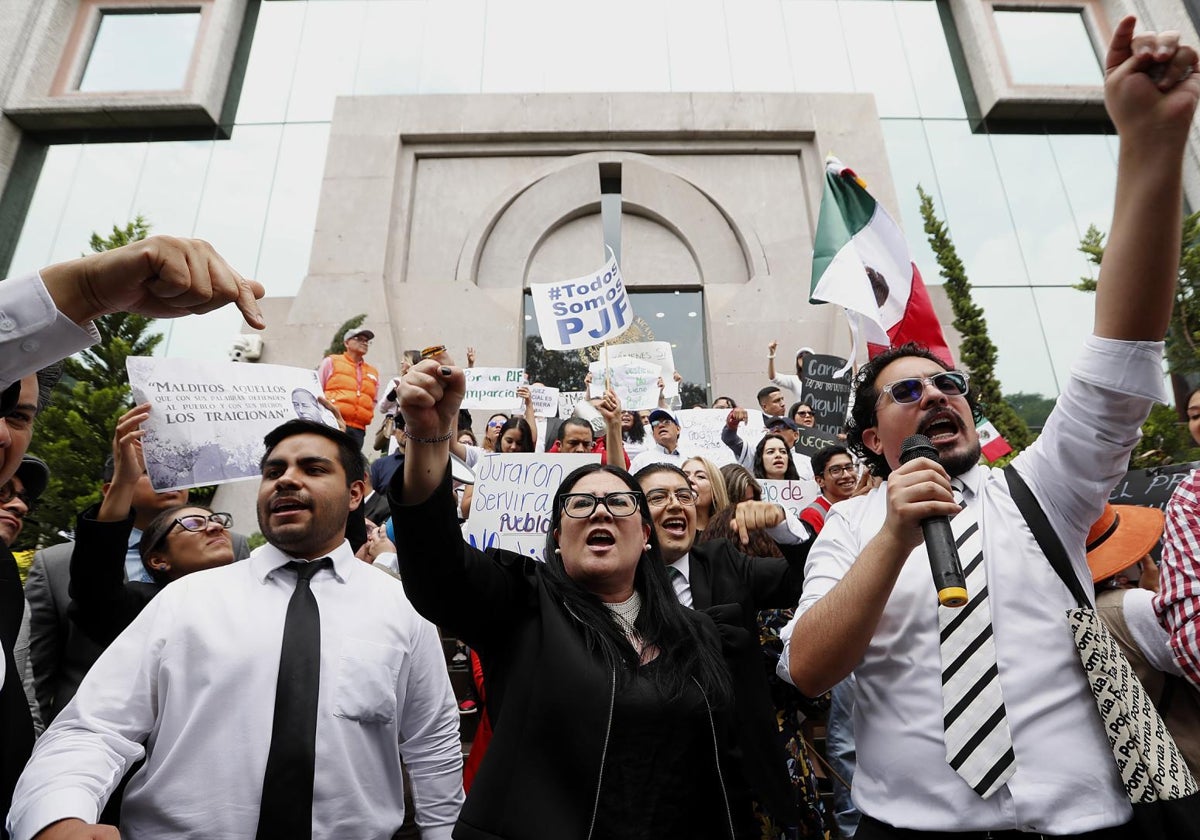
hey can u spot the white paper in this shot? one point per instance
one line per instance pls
(793, 495)
(584, 311)
(494, 389)
(634, 381)
(700, 433)
(545, 400)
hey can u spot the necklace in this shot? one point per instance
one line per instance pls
(626, 612)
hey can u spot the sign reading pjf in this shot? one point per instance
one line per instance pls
(582, 312)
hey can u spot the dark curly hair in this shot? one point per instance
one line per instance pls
(865, 396)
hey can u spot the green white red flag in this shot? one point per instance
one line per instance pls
(861, 262)
(994, 446)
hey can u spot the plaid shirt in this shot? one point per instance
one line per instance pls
(1178, 600)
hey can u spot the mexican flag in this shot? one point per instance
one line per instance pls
(992, 443)
(862, 263)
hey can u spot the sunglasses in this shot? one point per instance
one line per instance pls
(9, 492)
(951, 383)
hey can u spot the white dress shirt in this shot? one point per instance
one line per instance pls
(194, 678)
(656, 453)
(1066, 781)
(33, 333)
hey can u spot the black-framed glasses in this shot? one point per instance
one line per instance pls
(581, 505)
(952, 383)
(840, 469)
(198, 521)
(662, 498)
(9, 491)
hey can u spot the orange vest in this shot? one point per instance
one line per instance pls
(352, 389)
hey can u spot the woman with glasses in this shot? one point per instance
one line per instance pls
(773, 459)
(802, 415)
(609, 700)
(180, 540)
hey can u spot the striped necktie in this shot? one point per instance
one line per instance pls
(978, 741)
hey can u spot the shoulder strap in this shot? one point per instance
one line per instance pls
(1044, 533)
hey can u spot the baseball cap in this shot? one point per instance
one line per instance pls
(782, 421)
(663, 414)
(358, 331)
(34, 474)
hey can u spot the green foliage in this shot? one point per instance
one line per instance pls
(336, 345)
(977, 352)
(1032, 408)
(73, 435)
(1165, 440)
(691, 394)
(557, 370)
(257, 539)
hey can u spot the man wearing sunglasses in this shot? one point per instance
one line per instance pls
(350, 382)
(997, 731)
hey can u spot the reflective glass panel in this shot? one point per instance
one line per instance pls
(292, 210)
(327, 59)
(1015, 326)
(268, 79)
(141, 51)
(697, 45)
(35, 247)
(819, 65)
(877, 56)
(452, 53)
(758, 46)
(101, 195)
(390, 58)
(1048, 47)
(912, 166)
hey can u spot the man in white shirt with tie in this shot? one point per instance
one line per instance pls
(998, 731)
(209, 674)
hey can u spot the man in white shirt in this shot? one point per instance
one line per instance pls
(665, 450)
(191, 684)
(869, 606)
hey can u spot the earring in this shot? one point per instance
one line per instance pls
(647, 546)
(558, 551)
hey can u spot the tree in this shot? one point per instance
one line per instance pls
(73, 435)
(558, 370)
(977, 351)
(337, 346)
(1032, 408)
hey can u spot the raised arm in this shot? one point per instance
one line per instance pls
(1150, 89)
(614, 442)
(127, 465)
(771, 348)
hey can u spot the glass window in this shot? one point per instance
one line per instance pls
(819, 65)
(327, 59)
(515, 32)
(268, 79)
(101, 195)
(877, 56)
(1016, 327)
(1048, 47)
(390, 58)
(142, 50)
(698, 47)
(912, 166)
(171, 185)
(1088, 169)
(928, 55)
(292, 210)
(758, 46)
(35, 246)
(452, 56)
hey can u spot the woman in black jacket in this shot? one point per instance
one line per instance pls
(609, 701)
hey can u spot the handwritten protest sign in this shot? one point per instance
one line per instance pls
(494, 388)
(813, 440)
(656, 353)
(207, 419)
(793, 495)
(545, 400)
(514, 497)
(567, 400)
(1150, 488)
(634, 381)
(584, 311)
(828, 395)
(700, 433)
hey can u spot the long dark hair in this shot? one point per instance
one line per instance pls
(520, 424)
(637, 431)
(761, 472)
(683, 654)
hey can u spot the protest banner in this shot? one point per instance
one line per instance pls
(584, 311)
(207, 419)
(793, 495)
(1151, 487)
(700, 433)
(829, 395)
(813, 440)
(545, 400)
(513, 499)
(656, 353)
(494, 389)
(634, 381)
(567, 400)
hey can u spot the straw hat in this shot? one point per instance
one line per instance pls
(1122, 536)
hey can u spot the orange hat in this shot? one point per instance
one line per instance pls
(1122, 536)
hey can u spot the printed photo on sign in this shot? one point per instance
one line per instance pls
(514, 498)
(494, 389)
(826, 393)
(207, 419)
(582, 312)
(794, 496)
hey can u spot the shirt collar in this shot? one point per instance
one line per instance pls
(267, 559)
(973, 480)
(664, 449)
(683, 566)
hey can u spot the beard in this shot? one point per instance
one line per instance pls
(959, 461)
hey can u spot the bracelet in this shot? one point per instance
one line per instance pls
(770, 357)
(440, 439)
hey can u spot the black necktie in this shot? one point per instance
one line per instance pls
(287, 797)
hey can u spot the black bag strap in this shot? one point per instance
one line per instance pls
(1044, 533)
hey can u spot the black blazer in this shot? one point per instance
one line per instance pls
(732, 587)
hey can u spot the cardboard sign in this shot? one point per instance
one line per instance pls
(828, 395)
(494, 389)
(813, 440)
(567, 400)
(1152, 487)
(634, 381)
(700, 433)
(514, 498)
(584, 311)
(793, 495)
(545, 400)
(656, 353)
(207, 419)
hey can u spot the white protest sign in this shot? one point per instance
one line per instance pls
(494, 388)
(567, 400)
(635, 382)
(793, 495)
(654, 352)
(700, 433)
(582, 312)
(545, 400)
(513, 499)
(207, 419)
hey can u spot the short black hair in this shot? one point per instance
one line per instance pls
(574, 421)
(823, 456)
(156, 532)
(865, 396)
(661, 467)
(354, 464)
(47, 380)
(763, 393)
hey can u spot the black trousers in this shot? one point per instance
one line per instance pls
(872, 829)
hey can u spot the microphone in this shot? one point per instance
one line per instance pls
(939, 539)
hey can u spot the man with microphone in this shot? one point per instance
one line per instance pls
(979, 719)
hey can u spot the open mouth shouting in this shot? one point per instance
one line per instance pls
(601, 539)
(287, 507)
(941, 426)
(675, 526)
